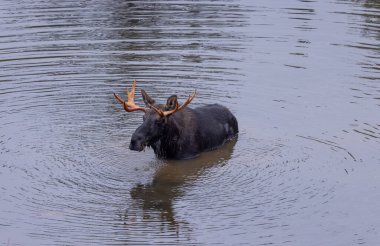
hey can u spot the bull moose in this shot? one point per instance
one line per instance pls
(178, 132)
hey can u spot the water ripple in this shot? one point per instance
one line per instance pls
(302, 77)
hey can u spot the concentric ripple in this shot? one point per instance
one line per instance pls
(301, 77)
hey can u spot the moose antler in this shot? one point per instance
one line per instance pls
(130, 106)
(177, 107)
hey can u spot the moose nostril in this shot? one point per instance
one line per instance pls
(131, 146)
(133, 142)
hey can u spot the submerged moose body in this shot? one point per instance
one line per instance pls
(178, 132)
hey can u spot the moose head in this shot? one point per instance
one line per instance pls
(156, 120)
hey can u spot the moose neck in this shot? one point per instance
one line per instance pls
(167, 144)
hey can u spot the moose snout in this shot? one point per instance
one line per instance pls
(137, 143)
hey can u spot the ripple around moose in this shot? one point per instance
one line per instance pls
(178, 132)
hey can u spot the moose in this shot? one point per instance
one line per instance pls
(178, 132)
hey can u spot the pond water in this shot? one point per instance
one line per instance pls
(302, 78)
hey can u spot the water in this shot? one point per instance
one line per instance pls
(302, 77)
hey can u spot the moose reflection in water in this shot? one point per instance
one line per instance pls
(168, 185)
(178, 132)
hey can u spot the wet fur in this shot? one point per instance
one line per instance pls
(183, 134)
(190, 131)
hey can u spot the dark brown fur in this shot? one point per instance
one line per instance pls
(186, 133)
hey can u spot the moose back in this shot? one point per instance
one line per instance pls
(178, 132)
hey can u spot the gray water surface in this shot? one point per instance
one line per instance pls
(302, 77)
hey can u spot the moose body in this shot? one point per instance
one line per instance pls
(179, 132)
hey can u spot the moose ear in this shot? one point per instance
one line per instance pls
(147, 99)
(171, 103)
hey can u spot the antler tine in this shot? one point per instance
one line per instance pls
(131, 94)
(178, 108)
(159, 111)
(130, 106)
